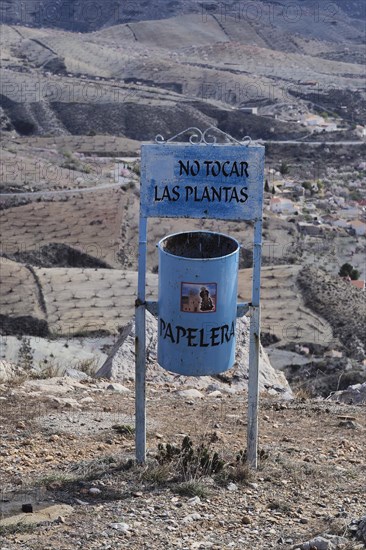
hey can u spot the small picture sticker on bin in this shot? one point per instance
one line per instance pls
(198, 297)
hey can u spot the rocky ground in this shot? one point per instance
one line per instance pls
(67, 447)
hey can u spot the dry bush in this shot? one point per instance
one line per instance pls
(189, 463)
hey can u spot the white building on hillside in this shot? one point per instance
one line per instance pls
(282, 206)
(340, 223)
(350, 213)
(361, 131)
(359, 227)
(318, 123)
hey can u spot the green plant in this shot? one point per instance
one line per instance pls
(280, 505)
(192, 489)
(124, 429)
(308, 186)
(85, 168)
(237, 472)
(320, 184)
(347, 270)
(190, 462)
(156, 474)
(88, 366)
(17, 529)
(49, 371)
(284, 168)
(355, 195)
(25, 355)
(241, 457)
(136, 168)
(54, 479)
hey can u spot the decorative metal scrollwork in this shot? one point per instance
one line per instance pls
(195, 138)
(206, 137)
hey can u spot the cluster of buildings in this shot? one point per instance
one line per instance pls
(318, 123)
(320, 210)
(313, 209)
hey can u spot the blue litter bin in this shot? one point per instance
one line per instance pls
(198, 279)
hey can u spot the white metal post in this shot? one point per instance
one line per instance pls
(140, 348)
(253, 383)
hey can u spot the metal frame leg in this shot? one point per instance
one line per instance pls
(254, 344)
(140, 350)
(253, 387)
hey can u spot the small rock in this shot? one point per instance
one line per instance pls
(118, 388)
(27, 508)
(94, 491)
(87, 400)
(318, 543)
(191, 517)
(20, 425)
(81, 502)
(76, 374)
(193, 501)
(190, 394)
(246, 520)
(232, 487)
(124, 527)
(349, 424)
(216, 393)
(67, 402)
(361, 529)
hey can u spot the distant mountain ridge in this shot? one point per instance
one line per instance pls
(87, 15)
(67, 67)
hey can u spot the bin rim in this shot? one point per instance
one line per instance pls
(238, 246)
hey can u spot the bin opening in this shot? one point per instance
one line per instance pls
(199, 244)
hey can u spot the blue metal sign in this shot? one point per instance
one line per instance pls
(197, 288)
(202, 181)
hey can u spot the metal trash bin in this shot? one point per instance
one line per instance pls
(197, 302)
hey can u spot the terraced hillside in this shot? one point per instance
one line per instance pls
(284, 313)
(43, 164)
(85, 300)
(19, 293)
(90, 222)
